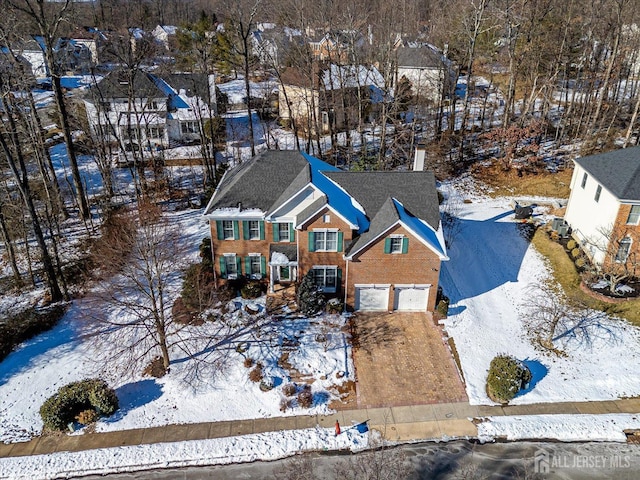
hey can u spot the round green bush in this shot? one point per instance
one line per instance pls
(580, 263)
(63, 407)
(575, 253)
(507, 376)
(571, 244)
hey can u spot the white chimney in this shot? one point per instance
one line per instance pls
(418, 160)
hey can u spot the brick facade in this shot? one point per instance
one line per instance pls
(420, 265)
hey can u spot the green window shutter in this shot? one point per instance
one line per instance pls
(263, 265)
(292, 237)
(239, 265)
(219, 230)
(276, 237)
(261, 230)
(223, 267)
(312, 242)
(387, 245)
(405, 244)
(340, 241)
(247, 265)
(245, 230)
(236, 234)
(339, 275)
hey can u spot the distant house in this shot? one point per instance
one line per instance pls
(373, 239)
(163, 110)
(32, 50)
(431, 74)
(604, 206)
(271, 43)
(331, 98)
(336, 46)
(164, 35)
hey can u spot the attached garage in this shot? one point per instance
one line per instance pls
(372, 297)
(411, 297)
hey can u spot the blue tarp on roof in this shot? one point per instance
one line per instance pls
(337, 197)
(175, 100)
(426, 232)
(41, 42)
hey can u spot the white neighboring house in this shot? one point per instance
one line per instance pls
(165, 110)
(430, 72)
(604, 205)
(163, 35)
(33, 52)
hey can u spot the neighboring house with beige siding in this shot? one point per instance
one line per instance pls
(373, 239)
(604, 207)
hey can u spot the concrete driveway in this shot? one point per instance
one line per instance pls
(401, 359)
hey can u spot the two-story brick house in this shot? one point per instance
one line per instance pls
(373, 239)
(604, 206)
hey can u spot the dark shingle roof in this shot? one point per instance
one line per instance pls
(115, 85)
(384, 217)
(195, 84)
(273, 177)
(420, 57)
(618, 171)
(290, 251)
(415, 190)
(261, 181)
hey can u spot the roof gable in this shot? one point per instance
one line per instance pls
(618, 171)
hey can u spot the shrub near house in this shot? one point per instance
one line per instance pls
(507, 376)
(75, 400)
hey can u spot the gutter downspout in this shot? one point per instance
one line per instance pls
(346, 285)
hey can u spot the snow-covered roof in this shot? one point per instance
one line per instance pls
(348, 76)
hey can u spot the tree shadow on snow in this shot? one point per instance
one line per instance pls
(134, 395)
(58, 341)
(484, 255)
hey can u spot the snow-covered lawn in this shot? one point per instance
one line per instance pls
(488, 279)
(220, 451)
(318, 351)
(565, 428)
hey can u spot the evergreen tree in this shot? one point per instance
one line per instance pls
(309, 296)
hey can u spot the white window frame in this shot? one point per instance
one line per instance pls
(396, 244)
(230, 259)
(254, 233)
(156, 133)
(189, 127)
(598, 193)
(255, 258)
(634, 216)
(287, 278)
(226, 229)
(321, 240)
(624, 247)
(281, 227)
(323, 283)
(585, 176)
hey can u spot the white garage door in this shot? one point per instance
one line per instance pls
(411, 297)
(372, 297)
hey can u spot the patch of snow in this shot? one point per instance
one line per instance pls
(565, 428)
(488, 279)
(278, 258)
(219, 451)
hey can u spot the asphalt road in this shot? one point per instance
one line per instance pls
(460, 460)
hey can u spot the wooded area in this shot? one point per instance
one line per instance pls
(567, 72)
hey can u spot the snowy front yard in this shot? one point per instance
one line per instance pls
(488, 279)
(302, 350)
